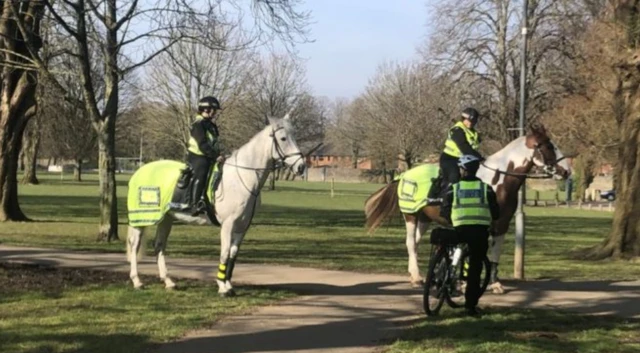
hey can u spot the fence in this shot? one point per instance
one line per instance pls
(346, 175)
(127, 164)
(548, 198)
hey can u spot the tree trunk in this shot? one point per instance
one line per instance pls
(354, 155)
(272, 181)
(585, 168)
(17, 94)
(624, 238)
(105, 122)
(31, 144)
(9, 155)
(108, 202)
(408, 159)
(77, 171)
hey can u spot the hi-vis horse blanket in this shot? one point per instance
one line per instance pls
(151, 189)
(414, 185)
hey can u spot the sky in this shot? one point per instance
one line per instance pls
(353, 37)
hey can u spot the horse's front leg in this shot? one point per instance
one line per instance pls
(410, 222)
(162, 234)
(495, 250)
(225, 268)
(236, 240)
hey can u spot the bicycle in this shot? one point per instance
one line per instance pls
(446, 277)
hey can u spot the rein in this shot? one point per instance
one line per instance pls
(282, 157)
(546, 175)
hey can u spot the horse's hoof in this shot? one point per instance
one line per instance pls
(497, 288)
(138, 286)
(169, 284)
(416, 282)
(228, 294)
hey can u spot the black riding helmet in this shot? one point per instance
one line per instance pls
(471, 114)
(208, 102)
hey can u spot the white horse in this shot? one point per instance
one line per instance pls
(236, 198)
(504, 171)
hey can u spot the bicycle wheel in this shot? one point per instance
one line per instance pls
(455, 295)
(434, 290)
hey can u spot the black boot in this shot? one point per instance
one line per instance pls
(184, 178)
(199, 207)
(494, 273)
(434, 192)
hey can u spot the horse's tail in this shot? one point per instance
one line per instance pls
(379, 207)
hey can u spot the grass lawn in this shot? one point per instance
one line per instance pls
(66, 310)
(299, 224)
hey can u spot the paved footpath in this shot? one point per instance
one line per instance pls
(337, 311)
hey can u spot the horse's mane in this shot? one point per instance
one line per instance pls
(538, 132)
(504, 150)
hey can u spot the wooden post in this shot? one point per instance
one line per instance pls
(332, 187)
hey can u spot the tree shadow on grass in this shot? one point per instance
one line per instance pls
(537, 330)
(69, 208)
(81, 343)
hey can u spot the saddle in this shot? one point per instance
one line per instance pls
(184, 199)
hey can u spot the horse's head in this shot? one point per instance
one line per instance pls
(285, 147)
(546, 154)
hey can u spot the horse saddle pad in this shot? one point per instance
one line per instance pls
(414, 185)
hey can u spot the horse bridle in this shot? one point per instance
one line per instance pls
(281, 155)
(549, 169)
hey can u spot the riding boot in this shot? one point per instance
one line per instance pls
(494, 273)
(434, 192)
(199, 207)
(198, 200)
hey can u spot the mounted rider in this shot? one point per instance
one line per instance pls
(462, 139)
(204, 150)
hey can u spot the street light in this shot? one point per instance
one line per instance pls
(518, 255)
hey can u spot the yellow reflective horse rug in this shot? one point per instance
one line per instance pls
(414, 185)
(151, 191)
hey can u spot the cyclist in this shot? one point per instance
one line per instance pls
(470, 206)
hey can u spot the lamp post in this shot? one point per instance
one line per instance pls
(518, 260)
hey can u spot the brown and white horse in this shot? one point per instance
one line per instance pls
(505, 171)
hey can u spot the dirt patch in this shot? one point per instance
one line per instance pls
(18, 278)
